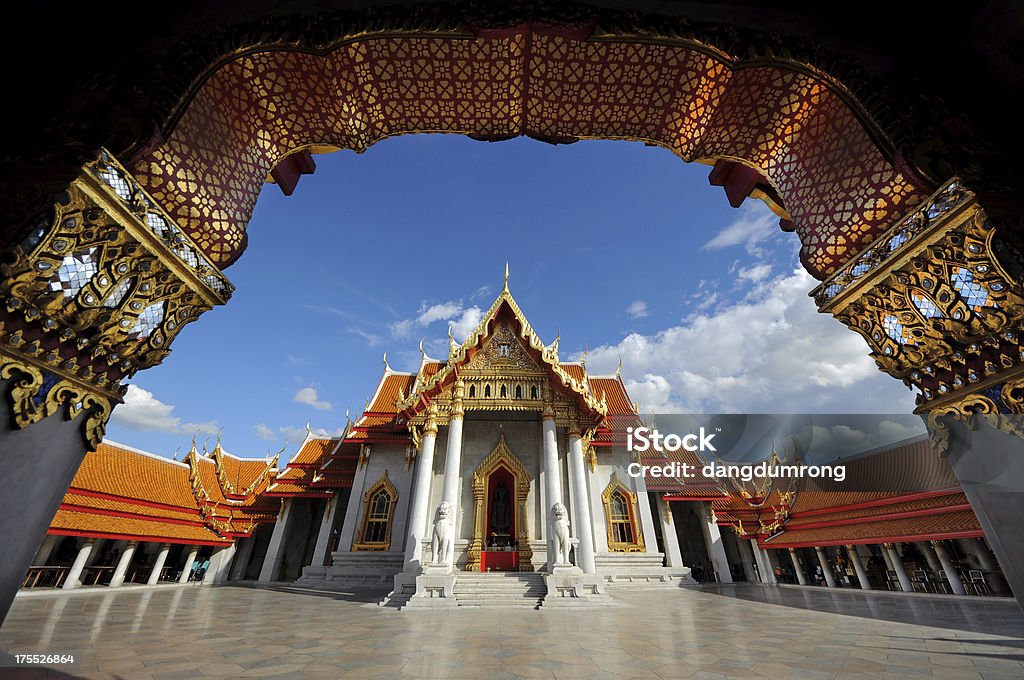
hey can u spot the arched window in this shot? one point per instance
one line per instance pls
(378, 510)
(533, 392)
(624, 534)
(487, 392)
(472, 391)
(519, 391)
(504, 391)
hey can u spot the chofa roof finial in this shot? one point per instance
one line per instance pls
(386, 367)
(505, 289)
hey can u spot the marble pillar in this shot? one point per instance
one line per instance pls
(585, 528)
(189, 561)
(158, 564)
(74, 577)
(798, 569)
(453, 465)
(275, 551)
(715, 547)
(419, 511)
(121, 571)
(898, 567)
(858, 567)
(952, 575)
(673, 554)
(826, 568)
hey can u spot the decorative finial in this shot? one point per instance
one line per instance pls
(386, 367)
(309, 430)
(583, 359)
(175, 454)
(618, 370)
(348, 420)
(423, 355)
(505, 289)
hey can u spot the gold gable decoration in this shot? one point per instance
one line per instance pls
(460, 361)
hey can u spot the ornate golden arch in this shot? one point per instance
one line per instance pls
(501, 455)
(638, 544)
(382, 484)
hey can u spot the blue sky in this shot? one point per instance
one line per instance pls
(621, 247)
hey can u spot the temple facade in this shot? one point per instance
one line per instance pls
(500, 458)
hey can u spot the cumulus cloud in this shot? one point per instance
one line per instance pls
(264, 432)
(755, 273)
(141, 410)
(637, 309)
(310, 397)
(462, 319)
(754, 225)
(769, 352)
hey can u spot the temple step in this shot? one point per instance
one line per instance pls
(502, 590)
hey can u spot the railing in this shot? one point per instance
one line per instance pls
(45, 577)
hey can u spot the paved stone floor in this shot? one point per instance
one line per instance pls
(742, 631)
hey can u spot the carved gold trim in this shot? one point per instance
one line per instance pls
(638, 544)
(38, 393)
(501, 456)
(361, 544)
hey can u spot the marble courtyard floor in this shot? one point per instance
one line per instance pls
(744, 631)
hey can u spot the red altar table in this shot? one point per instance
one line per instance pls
(499, 560)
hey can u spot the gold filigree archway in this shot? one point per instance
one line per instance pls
(502, 456)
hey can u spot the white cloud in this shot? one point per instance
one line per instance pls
(264, 432)
(755, 273)
(372, 339)
(310, 397)
(141, 410)
(637, 309)
(770, 352)
(754, 224)
(462, 319)
(291, 434)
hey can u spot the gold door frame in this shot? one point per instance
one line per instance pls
(501, 455)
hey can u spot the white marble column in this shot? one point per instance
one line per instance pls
(897, 565)
(673, 555)
(952, 575)
(50, 542)
(419, 510)
(453, 464)
(158, 565)
(123, 563)
(244, 548)
(323, 537)
(549, 470)
(929, 555)
(801, 577)
(189, 561)
(858, 567)
(746, 558)
(715, 547)
(352, 508)
(220, 565)
(826, 568)
(764, 564)
(74, 577)
(275, 550)
(585, 527)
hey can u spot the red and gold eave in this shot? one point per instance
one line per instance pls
(927, 505)
(313, 472)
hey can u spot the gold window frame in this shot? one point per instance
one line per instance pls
(637, 545)
(361, 544)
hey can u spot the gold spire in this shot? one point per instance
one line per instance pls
(505, 288)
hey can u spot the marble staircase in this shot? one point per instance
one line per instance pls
(505, 590)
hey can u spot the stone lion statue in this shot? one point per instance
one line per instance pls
(441, 542)
(560, 533)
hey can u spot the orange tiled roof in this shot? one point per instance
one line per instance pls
(82, 523)
(120, 471)
(389, 389)
(955, 524)
(615, 393)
